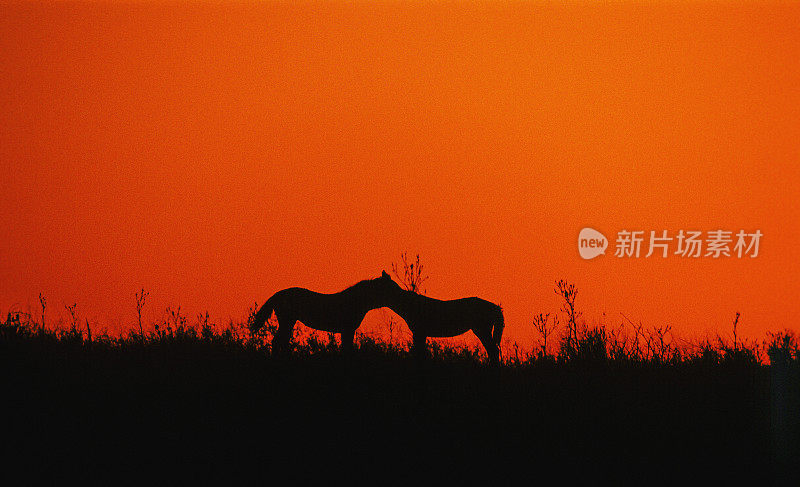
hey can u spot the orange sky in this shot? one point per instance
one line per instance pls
(214, 154)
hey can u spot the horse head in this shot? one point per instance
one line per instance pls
(383, 290)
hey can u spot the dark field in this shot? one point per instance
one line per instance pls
(185, 405)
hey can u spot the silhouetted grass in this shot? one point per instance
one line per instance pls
(207, 400)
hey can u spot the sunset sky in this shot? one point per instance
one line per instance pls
(216, 153)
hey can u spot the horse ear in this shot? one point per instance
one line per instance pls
(385, 275)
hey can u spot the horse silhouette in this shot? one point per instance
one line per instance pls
(429, 317)
(340, 312)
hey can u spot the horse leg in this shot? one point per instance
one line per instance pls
(282, 338)
(492, 350)
(419, 345)
(347, 341)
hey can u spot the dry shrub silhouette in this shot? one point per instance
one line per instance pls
(625, 342)
(141, 296)
(409, 273)
(610, 394)
(43, 304)
(783, 346)
(542, 326)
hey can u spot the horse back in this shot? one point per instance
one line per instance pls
(431, 309)
(296, 299)
(313, 307)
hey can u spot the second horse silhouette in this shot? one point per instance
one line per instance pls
(344, 311)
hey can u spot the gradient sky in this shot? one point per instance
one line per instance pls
(216, 153)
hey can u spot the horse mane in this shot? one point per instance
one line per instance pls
(357, 286)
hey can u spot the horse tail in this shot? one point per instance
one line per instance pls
(263, 314)
(499, 324)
